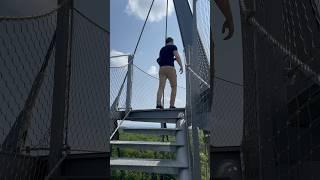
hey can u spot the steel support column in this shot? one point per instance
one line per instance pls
(189, 36)
(60, 85)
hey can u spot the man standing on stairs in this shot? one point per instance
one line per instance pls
(168, 54)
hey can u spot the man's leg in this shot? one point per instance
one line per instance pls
(172, 76)
(162, 84)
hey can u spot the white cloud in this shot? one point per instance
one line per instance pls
(119, 61)
(140, 8)
(153, 70)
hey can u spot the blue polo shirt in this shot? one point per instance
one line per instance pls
(166, 55)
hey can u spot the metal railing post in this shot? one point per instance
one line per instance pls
(129, 83)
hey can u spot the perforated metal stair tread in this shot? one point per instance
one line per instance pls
(154, 131)
(148, 145)
(158, 110)
(146, 162)
(155, 113)
(145, 143)
(154, 119)
(148, 165)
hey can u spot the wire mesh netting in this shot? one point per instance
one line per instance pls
(216, 103)
(145, 87)
(144, 91)
(199, 67)
(203, 24)
(281, 90)
(27, 61)
(118, 82)
(87, 125)
(226, 127)
(221, 111)
(26, 74)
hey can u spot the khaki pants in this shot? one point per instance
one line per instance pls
(167, 72)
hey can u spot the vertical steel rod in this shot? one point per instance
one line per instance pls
(129, 83)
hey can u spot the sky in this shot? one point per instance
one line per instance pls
(127, 18)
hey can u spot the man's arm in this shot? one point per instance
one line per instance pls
(178, 59)
(225, 8)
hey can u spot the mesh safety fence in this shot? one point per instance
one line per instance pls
(118, 92)
(26, 72)
(219, 104)
(226, 113)
(27, 61)
(198, 65)
(117, 80)
(203, 24)
(87, 123)
(144, 92)
(281, 93)
(145, 88)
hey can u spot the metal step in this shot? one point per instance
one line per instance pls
(154, 119)
(157, 113)
(153, 131)
(147, 145)
(147, 165)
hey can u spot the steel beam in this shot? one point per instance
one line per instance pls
(60, 85)
(189, 36)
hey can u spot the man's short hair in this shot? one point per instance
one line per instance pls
(168, 40)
